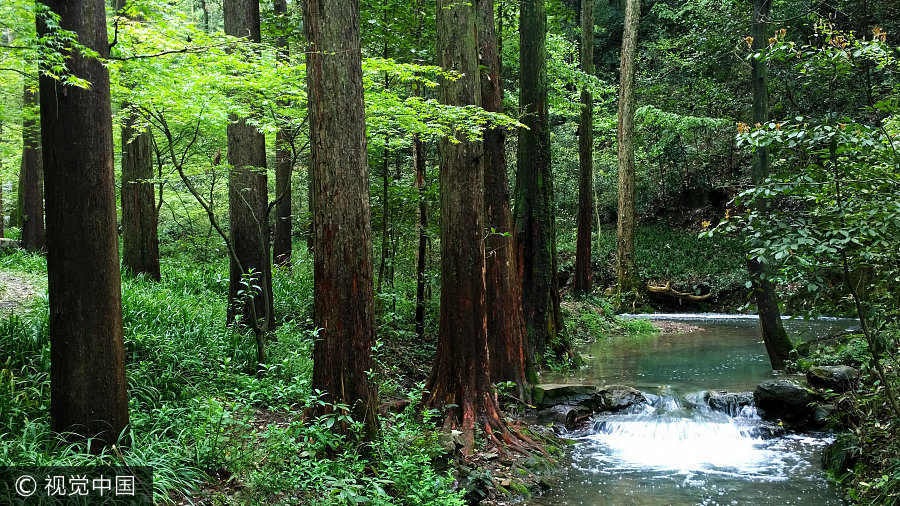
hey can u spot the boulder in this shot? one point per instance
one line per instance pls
(568, 416)
(617, 398)
(784, 399)
(838, 378)
(552, 394)
(822, 413)
(731, 403)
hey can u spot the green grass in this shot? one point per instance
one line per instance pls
(195, 410)
(665, 253)
(591, 318)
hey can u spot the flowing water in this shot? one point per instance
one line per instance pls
(678, 451)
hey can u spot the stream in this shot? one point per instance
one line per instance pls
(678, 451)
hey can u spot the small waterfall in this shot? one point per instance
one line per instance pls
(672, 437)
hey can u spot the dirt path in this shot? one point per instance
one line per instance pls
(15, 291)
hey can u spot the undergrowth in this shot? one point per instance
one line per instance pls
(206, 426)
(865, 458)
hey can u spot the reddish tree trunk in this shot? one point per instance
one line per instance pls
(87, 371)
(505, 320)
(344, 289)
(460, 379)
(248, 191)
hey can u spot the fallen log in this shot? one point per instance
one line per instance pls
(668, 290)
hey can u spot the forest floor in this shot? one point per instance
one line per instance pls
(15, 290)
(217, 434)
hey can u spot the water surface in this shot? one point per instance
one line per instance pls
(678, 451)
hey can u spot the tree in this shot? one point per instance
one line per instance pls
(140, 242)
(343, 270)
(419, 163)
(87, 371)
(535, 221)
(778, 345)
(460, 379)
(281, 248)
(585, 155)
(505, 320)
(625, 268)
(31, 176)
(250, 278)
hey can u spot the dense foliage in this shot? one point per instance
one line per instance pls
(827, 221)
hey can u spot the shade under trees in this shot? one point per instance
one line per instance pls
(87, 373)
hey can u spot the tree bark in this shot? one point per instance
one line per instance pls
(460, 380)
(418, 156)
(583, 272)
(625, 269)
(248, 192)
(778, 345)
(140, 243)
(343, 270)
(422, 253)
(281, 248)
(87, 368)
(535, 216)
(505, 320)
(31, 176)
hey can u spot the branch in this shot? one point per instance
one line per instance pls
(184, 50)
(668, 290)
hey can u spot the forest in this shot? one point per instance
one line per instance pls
(450, 252)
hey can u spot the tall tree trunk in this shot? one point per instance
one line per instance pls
(422, 228)
(31, 176)
(281, 249)
(778, 345)
(505, 320)
(585, 155)
(344, 291)
(418, 156)
(460, 379)
(535, 216)
(140, 243)
(248, 194)
(87, 359)
(205, 8)
(625, 269)
(385, 217)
